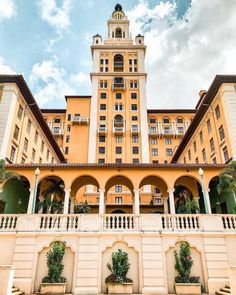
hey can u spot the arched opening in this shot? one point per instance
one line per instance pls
(15, 196)
(84, 196)
(118, 212)
(118, 83)
(50, 195)
(119, 194)
(153, 195)
(118, 63)
(188, 196)
(118, 33)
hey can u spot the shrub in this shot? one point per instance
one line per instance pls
(54, 263)
(183, 265)
(119, 268)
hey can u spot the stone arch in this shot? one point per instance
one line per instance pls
(118, 33)
(14, 197)
(118, 62)
(119, 179)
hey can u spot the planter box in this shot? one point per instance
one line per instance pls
(53, 288)
(120, 288)
(189, 289)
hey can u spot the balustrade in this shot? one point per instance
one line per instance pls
(8, 222)
(120, 222)
(181, 222)
(229, 222)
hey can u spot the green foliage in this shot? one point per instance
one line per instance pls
(190, 206)
(82, 208)
(53, 206)
(119, 268)
(183, 265)
(227, 181)
(5, 175)
(54, 262)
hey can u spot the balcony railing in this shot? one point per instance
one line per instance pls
(134, 129)
(80, 120)
(118, 130)
(117, 86)
(57, 131)
(117, 222)
(102, 130)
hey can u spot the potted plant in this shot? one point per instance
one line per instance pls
(54, 283)
(117, 282)
(82, 208)
(184, 282)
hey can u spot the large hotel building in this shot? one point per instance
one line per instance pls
(129, 168)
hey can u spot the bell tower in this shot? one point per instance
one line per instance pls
(118, 118)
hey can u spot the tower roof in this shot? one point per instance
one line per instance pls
(118, 7)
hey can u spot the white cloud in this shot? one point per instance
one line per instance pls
(7, 9)
(55, 15)
(184, 54)
(5, 69)
(51, 83)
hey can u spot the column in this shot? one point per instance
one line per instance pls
(171, 201)
(66, 200)
(165, 201)
(136, 207)
(31, 201)
(72, 205)
(102, 201)
(208, 201)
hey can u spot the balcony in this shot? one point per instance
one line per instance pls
(57, 132)
(80, 120)
(134, 129)
(154, 132)
(118, 84)
(118, 66)
(118, 222)
(102, 129)
(118, 130)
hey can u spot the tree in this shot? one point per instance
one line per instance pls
(227, 179)
(5, 175)
(82, 208)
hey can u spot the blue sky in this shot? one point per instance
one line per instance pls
(188, 43)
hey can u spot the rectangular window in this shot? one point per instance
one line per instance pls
(217, 112)
(195, 146)
(118, 200)
(209, 125)
(67, 138)
(135, 150)
(69, 117)
(102, 138)
(154, 152)
(118, 95)
(36, 136)
(153, 140)
(134, 107)
(103, 95)
(226, 154)
(101, 61)
(26, 142)
(28, 128)
(168, 141)
(189, 155)
(66, 150)
(33, 155)
(118, 161)
(101, 150)
(42, 146)
(101, 161)
(40, 160)
(22, 160)
(135, 160)
(57, 120)
(130, 61)
(20, 112)
(118, 188)
(118, 139)
(135, 139)
(134, 118)
(179, 121)
(214, 160)
(12, 154)
(48, 154)
(221, 132)
(16, 132)
(106, 61)
(103, 107)
(106, 69)
(201, 137)
(102, 118)
(196, 161)
(68, 128)
(118, 150)
(166, 121)
(133, 95)
(204, 155)
(169, 152)
(212, 145)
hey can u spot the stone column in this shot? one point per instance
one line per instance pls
(31, 201)
(72, 205)
(136, 207)
(208, 201)
(7, 276)
(165, 201)
(171, 201)
(102, 205)
(66, 200)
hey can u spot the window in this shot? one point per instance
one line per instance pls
(169, 152)
(209, 125)
(67, 138)
(133, 84)
(52, 161)
(166, 120)
(40, 160)
(106, 69)
(201, 137)
(103, 107)
(118, 200)
(155, 161)
(226, 154)
(196, 161)
(48, 154)
(135, 150)
(103, 84)
(118, 95)
(135, 139)
(101, 61)
(189, 155)
(179, 121)
(217, 112)
(20, 112)
(118, 188)
(184, 160)
(118, 139)
(101, 161)
(66, 150)
(118, 161)
(154, 152)
(22, 160)
(28, 128)
(204, 155)
(152, 120)
(102, 118)
(168, 141)
(57, 120)
(222, 133)
(180, 129)
(69, 117)
(12, 154)
(195, 146)
(153, 140)
(16, 132)
(214, 160)
(134, 107)
(133, 95)
(118, 150)
(42, 146)
(68, 128)
(106, 61)
(101, 150)
(103, 95)
(134, 118)
(135, 160)
(33, 155)
(212, 145)
(102, 139)
(26, 142)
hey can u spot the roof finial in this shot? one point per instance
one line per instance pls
(118, 7)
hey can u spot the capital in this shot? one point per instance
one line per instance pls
(101, 190)
(136, 191)
(171, 191)
(67, 190)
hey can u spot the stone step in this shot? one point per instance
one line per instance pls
(227, 286)
(226, 290)
(16, 291)
(222, 293)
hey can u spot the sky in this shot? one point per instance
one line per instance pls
(188, 43)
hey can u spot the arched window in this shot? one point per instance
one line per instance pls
(152, 120)
(118, 33)
(118, 63)
(119, 83)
